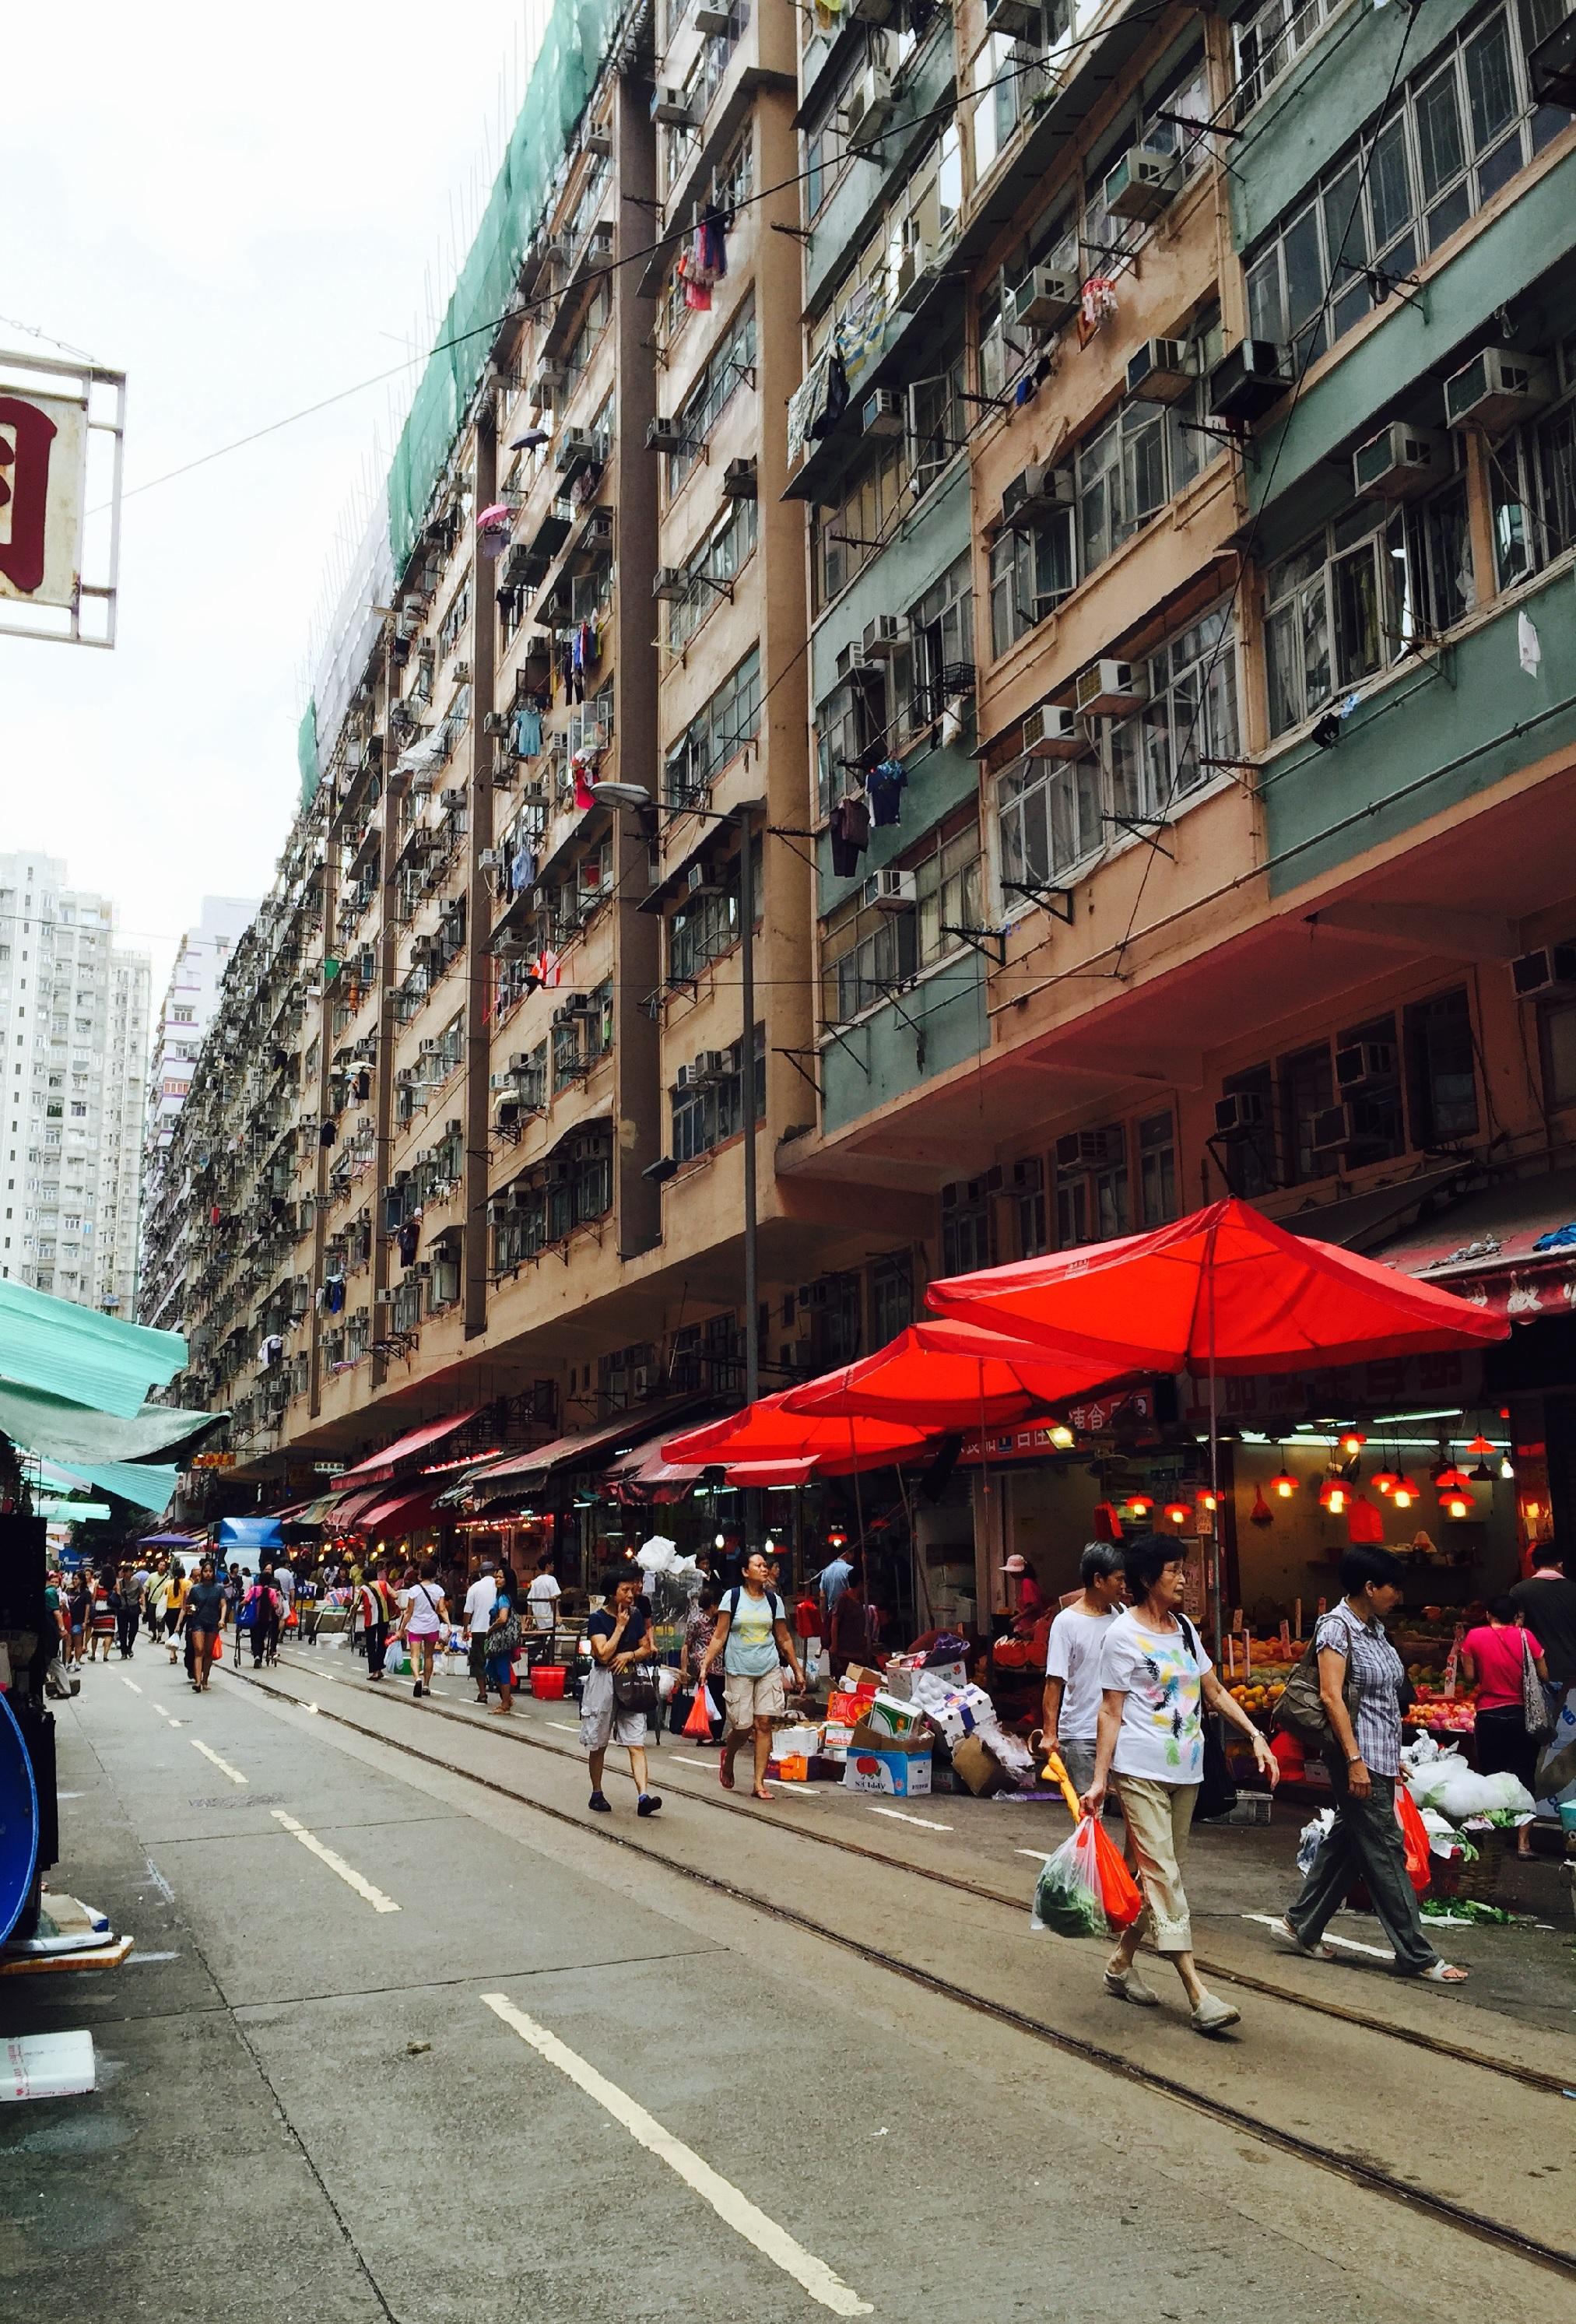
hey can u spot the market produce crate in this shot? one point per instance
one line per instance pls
(1477, 1878)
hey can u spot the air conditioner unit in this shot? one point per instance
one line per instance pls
(1400, 462)
(490, 859)
(462, 673)
(574, 449)
(1107, 689)
(547, 380)
(500, 1081)
(496, 722)
(533, 795)
(739, 481)
(890, 890)
(1089, 1150)
(664, 435)
(1548, 969)
(681, 1078)
(1162, 371)
(710, 1065)
(1035, 496)
(1330, 1129)
(1362, 1063)
(427, 1048)
(1495, 390)
(884, 636)
(385, 1298)
(885, 413)
(541, 899)
(1141, 184)
(580, 1004)
(668, 584)
(1053, 732)
(702, 880)
(867, 110)
(1043, 301)
(1250, 380)
(672, 108)
(919, 265)
(1015, 21)
(597, 532)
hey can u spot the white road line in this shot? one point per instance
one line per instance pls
(347, 1873)
(167, 1719)
(128, 1681)
(773, 1782)
(732, 2208)
(1040, 1855)
(223, 1765)
(1346, 1944)
(563, 1727)
(926, 1824)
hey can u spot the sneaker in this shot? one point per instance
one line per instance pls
(647, 1804)
(602, 1807)
(415, 1690)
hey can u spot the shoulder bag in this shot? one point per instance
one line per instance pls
(1217, 1793)
(1301, 1712)
(1535, 1715)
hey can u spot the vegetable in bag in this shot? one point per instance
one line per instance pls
(1085, 1889)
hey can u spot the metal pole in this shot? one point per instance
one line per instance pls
(747, 1086)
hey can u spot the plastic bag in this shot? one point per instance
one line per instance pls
(1085, 1889)
(1310, 1837)
(700, 1715)
(218, 1649)
(1415, 1833)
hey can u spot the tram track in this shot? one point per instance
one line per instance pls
(1354, 2168)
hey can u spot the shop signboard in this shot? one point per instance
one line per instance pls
(1033, 1439)
(56, 417)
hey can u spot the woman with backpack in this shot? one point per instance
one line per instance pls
(260, 1612)
(424, 1614)
(377, 1606)
(614, 1700)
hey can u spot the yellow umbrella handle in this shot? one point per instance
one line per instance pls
(1053, 1772)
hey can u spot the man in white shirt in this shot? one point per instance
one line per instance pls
(284, 1581)
(543, 1595)
(1072, 1699)
(480, 1600)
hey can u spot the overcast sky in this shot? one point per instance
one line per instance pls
(238, 210)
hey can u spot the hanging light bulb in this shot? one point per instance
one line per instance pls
(1452, 1479)
(1457, 1505)
(1482, 1446)
(1207, 1497)
(1482, 1474)
(1384, 1481)
(1334, 1496)
(1352, 1440)
(1508, 1466)
(1140, 1504)
(1404, 1493)
(1284, 1486)
(1177, 1513)
(1061, 1437)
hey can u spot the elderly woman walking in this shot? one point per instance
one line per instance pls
(1360, 1677)
(1156, 1682)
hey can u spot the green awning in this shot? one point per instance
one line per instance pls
(149, 1485)
(64, 1431)
(72, 1512)
(73, 1351)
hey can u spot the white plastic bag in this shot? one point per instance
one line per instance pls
(1312, 1833)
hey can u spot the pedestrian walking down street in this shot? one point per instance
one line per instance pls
(480, 1600)
(154, 1597)
(1077, 1637)
(1156, 1682)
(128, 1613)
(503, 1644)
(699, 1626)
(175, 1594)
(848, 1627)
(205, 1619)
(260, 1614)
(1495, 1656)
(1361, 1678)
(378, 1608)
(754, 1641)
(620, 1636)
(424, 1613)
(79, 1613)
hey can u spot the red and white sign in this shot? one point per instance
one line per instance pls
(62, 426)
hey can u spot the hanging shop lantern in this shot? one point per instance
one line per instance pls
(1284, 1486)
(1482, 1446)
(1384, 1481)
(1481, 1474)
(1334, 1495)
(1403, 1493)
(1260, 1514)
(1457, 1505)
(1177, 1513)
(1207, 1498)
(1452, 1480)
(1140, 1504)
(1352, 1440)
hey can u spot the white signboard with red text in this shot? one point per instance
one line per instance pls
(62, 430)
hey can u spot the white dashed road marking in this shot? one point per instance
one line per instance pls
(223, 1765)
(128, 1681)
(347, 1872)
(733, 2208)
(898, 1815)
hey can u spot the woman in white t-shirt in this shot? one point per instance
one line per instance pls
(1156, 1681)
(423, 1614)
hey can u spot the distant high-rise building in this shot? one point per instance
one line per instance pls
(190, 1001)
(74, 1020)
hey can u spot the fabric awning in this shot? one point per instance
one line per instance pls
(378, 1467)
(1366, 1223)
(167, 1541)
(75, 1352)
(1485, 1249)
(149, 1487)
(63, 1430)
(248, 1533)
(521, 1472)
(347, 1508)
(400, 1513)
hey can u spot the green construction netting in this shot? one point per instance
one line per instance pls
(307, 753)
(579, 35)
(67, 1350)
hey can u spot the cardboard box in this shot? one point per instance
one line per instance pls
(857, 1679)
(797, 1742)
(886, 1715)
(978, 1767)
(899, 1772)
(845, 1706)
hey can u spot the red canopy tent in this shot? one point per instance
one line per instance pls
(767, 1431)
(949, 1375)
(1224, 1289)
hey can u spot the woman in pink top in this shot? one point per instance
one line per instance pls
(1495, 1656)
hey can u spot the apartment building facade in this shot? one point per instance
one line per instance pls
(74, 1014)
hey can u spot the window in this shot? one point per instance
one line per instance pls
(182, 1015)
(1129, 468)
(1465, 126)
(1156, 1170)
(1268, 42)
(1092, 1186)
(851, 729)
(1307, 1091)
(1162, 753)
(940, 660)
(1368, 1082)
(1031, 571)
(1050, 815)
(846, 534)
(519, 1226)
(865, 956)
(1442, 1088)
(938, 424)
(1005, 78)
(713, 564)
(1034, 1228)
(1356, 597)
(891, 1297)
(1532, 478)
(728, 721)
(968, 1227)
(731, 360)
(708, 1113)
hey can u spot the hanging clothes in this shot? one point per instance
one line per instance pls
(883, 788)
(833, 401)
(363, 1084)
(334, 1294)
(528, 731)
(583, 798)
(327, 1134)
(849, 828)
(408, 1239)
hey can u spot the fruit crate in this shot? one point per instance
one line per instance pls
(1477, 1878)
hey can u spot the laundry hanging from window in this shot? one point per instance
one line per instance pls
(408, 1239)
(848, 829)
(528, 729)
(884, 785)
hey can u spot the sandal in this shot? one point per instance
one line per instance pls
(1126, 1985)
(1213, 2015)
(1443, 1972)
(1284, 1930)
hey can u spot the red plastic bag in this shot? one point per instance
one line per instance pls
(1415, 1833)
(1085, 1889)
(700, 1715)
(219, 1653)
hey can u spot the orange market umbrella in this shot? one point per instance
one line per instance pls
(949, 1375)
(1223, 1290)
(766, 1431)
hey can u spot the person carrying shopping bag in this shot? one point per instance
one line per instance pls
(1156, 1683)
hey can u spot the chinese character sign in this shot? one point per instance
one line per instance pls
(43, 455)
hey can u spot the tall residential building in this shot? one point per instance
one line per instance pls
(74, 1014)
(190, 1001)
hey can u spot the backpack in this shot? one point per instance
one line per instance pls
(1301, 1712)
